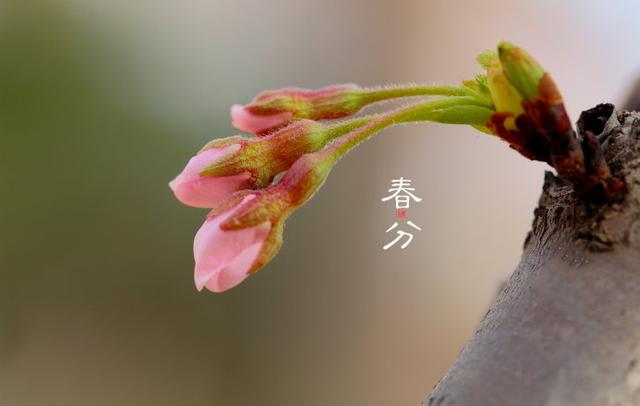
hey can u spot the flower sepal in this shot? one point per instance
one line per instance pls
(274, 109)
(269, 156)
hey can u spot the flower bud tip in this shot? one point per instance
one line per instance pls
(206, 191)
(244, 120)
(225, 258)
(521, 69)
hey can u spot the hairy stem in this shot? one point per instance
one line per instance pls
(451, 110)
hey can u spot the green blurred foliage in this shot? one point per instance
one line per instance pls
(97, 301)
(92, 239)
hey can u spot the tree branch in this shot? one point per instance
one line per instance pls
(565, 329)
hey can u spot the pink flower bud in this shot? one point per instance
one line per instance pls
(207, 191)
(224, 258)
(273, 109)
(245, 232)
(244, 120)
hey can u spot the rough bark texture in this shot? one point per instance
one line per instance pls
(565, 329)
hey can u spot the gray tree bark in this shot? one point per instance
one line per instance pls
(565, 328)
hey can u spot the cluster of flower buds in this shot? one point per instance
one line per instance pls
(230, 164)
(245, 231)
(252, 184)
(274, 109)
(531, 116)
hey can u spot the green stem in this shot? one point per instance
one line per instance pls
(451, 110)
(379, 94)
(374, 95)
(308, 173)
(339, 129)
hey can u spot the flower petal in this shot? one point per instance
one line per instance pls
(224, 258)
(244, 120)
(238, 269)
(206, 191)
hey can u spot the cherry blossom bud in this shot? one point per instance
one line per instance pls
(268, 156)
(208, 191)
(244, 120)
(245, 232)
(224, 258)
(276, 108)
(230, 164)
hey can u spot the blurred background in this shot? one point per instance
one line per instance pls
(103, 102)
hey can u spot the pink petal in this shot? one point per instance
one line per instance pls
(206, 191)
(244, 120)
(224, 258)
(237, 270)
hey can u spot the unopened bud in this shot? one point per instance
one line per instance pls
(521, 69)
(208, 191)
(504, 95)
(266, 157)
(276, 108)
(245, 232)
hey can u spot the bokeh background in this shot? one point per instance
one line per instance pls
(102, 103)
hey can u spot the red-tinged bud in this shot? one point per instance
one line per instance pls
(276, 108)
(245, 232)
(244, 120)
(224, 258)
(277, 201)
(266, 157)
(208, 191)
(230, 164)
(530, 113)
